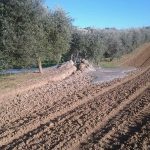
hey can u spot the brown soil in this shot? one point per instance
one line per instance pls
(16, 84)
(76, 114)
(139, 58)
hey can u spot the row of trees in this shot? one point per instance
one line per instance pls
(105, 44)
(31, 34)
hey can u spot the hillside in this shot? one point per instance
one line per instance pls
(138, 58)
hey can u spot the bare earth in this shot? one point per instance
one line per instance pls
(75, 113)
(57, 111)
(138, 58)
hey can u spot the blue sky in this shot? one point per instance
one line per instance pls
(105, 13)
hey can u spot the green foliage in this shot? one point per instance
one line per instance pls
(21, 31)
(96, 44)
(59, 33)
(31, 34)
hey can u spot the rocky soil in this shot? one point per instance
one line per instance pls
(76, 114)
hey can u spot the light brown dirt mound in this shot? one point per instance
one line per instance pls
(139, 58)
(85, 66)
(66, 70)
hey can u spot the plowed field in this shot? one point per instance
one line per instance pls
(79, 115)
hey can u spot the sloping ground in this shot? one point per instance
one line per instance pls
(16, 84)
(139, 58)
(106, 116)
(76, 114)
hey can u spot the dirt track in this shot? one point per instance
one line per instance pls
(113, 115)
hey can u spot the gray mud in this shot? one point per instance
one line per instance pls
(101, 75)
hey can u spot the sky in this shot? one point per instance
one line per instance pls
(105, 13)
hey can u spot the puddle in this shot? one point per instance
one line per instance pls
(17, 71)
(108, 74)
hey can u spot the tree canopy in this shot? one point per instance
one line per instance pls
(31, 34)
(98, 44)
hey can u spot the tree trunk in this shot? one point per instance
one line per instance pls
(59, 59)
(40, 65)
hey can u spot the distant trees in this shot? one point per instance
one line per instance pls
(106, 44)
(31, 34)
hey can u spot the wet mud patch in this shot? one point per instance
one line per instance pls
(101, 75)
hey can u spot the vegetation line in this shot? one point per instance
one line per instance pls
(34, 36)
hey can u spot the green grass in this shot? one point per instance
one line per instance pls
(7, 81)
(108, 65)
(12, 81)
